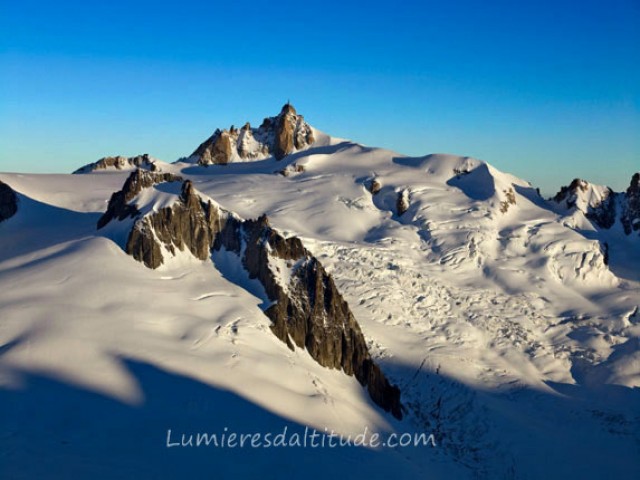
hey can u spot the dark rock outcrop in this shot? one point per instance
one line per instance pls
(306, 309)
(119, 163)
(631, 210)
(189, 223)
(402, 202)
(277, 136)
(8, 202)
(308, 312)
(568, 192)
(373, 185)
(604, 215)
(510, 199)
(119, 206)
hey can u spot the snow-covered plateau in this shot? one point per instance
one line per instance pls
(280, 278)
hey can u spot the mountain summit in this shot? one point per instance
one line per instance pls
(277, 136)
(601, 205)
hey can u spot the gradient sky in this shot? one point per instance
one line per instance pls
(546, 90)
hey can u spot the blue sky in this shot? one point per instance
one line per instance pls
(546, 90)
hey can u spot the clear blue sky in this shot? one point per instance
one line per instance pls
(546, 90)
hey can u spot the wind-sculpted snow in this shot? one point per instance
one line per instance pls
(477, 184)
(484, 361)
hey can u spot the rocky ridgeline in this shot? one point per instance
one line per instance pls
(8, 202)
(307, 310)
(277, 136)
(631, 208)
(120, 163)
(189, 223)
(119, 206)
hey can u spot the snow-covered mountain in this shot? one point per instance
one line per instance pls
(602, 206)
(277, 137)
(280, 277)
(298, 295)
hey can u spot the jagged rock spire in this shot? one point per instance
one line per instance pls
(277, 136)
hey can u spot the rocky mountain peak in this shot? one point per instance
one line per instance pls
(601, 205)
(569, 193)
(119, 206)
(288, 109)
(277, 136)
(189, 223)
(597, 203)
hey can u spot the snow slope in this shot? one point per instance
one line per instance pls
(508, 334)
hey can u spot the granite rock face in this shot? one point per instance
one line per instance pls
(277, 136)
(631, 207)
(291, 132)
(119, 206)
(8, 202)
(307, 310)
(120, 163)
(189, 223)
(218, 151)
(604, 215)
